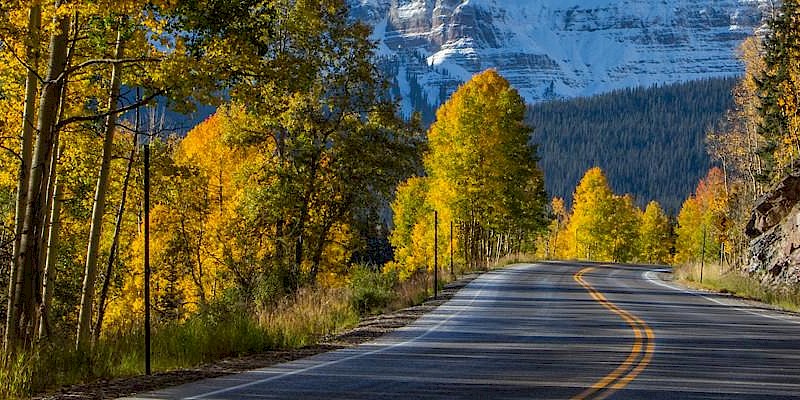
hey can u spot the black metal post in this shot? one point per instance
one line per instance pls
(451, 249)
(147, 369)
(435, 254)
(703, 255)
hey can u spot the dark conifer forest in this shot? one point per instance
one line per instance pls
(650, 141)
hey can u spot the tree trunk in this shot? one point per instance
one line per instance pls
(87, 293)
(24, 308)
(28, 117)
(101, 303)
(301, 223)
(320, 248)
(48, 280)
(46, 229)
(52, 221)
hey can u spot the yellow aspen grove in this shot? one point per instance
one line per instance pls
(483, 171)
(704, 211)
(603, 226)
(654, 235)
(410, 237)
(589, 229)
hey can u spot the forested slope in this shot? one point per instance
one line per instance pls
(649, 141)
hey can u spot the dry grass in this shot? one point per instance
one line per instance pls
(730, 280)
(302, 319)
(295, 321)
(413, 291)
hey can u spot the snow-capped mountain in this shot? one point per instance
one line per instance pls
(555, 48)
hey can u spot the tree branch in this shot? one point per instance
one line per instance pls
(84, 118)
(12, 151)
(20, 60)
(97, 61)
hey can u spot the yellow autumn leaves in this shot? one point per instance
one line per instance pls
(481, 176)
(604, 226)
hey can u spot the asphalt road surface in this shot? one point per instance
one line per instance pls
(551, 331)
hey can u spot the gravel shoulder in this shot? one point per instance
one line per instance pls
(368, 329)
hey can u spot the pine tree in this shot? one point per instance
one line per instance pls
(779, 90)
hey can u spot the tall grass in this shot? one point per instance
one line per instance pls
(295, 321)
(375, 292)
(292, 322)
(731, 280)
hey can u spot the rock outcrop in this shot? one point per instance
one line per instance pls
(774, 230)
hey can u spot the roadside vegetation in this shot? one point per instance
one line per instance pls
(227, 330)
(738, 283)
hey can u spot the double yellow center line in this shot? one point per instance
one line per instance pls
(640, 355)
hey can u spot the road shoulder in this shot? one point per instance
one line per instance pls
(664, 278)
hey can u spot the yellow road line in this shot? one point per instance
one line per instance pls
(639, 357)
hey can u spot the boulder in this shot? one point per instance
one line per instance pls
(775, 206)
(774, 230)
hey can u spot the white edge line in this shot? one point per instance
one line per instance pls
(650, 276)
(337, 361)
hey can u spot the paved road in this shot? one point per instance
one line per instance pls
(557, 330)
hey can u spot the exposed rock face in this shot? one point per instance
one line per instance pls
(556, 48)
(774, 230)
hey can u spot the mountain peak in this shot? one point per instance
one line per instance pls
(555, 48)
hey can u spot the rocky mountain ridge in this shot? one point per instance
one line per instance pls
(555, 48)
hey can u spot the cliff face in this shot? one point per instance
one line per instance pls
(555, 48)
(774, 230)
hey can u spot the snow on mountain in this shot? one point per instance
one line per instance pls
(555, 48)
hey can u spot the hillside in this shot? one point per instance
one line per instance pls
(649, 141)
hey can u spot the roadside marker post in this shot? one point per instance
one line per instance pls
(451, 248)
(435, 254)
(147, 369)
(703, 255)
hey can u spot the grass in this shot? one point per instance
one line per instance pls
(733, 281)
(375, 292)
(514, 259)
(292, 322)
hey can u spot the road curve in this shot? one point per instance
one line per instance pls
(550, 331)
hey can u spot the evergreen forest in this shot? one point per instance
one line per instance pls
(649, 141)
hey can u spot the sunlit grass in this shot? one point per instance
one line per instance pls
(291, 322)
(514, 259)
(731, 280)
(295, 321)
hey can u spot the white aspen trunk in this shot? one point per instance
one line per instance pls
(26, 150)
(101, 304)
(90, 274)
(24, 311)
(48, 280)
